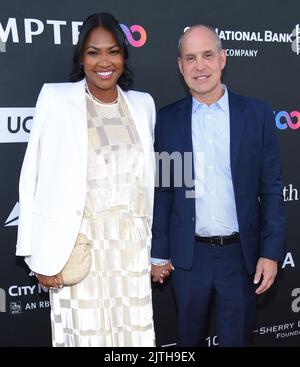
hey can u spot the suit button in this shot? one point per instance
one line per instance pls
(193, 219)
(78, 212)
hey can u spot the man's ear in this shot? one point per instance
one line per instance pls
(179, 60)
(223, 58)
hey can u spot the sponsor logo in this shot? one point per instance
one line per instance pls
(16, 306)
(295, 305)
(36, 27)
(296, 40)
(290, 193)
(280, 331)
(267, 36)
(135, 29)
(252, 36)
(15, 124)
(2, 46)
(13, 218)
(288, 261)
(241, 52)
(287, 120)
(2, 300)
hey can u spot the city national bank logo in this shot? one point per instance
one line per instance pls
(13, 218)
(15, 124)
(287, 120)
(296, 39)
(27, 292)
(32, 28)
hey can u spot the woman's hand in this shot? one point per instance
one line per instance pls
(50, 282)
(160, 272)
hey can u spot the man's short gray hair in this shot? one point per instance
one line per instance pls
(211, 29)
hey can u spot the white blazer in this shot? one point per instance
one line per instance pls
(52, 189)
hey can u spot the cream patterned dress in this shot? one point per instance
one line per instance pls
(112, 306)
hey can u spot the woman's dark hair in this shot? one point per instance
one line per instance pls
(108, 22)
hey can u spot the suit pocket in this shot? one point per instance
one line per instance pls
(175, 219)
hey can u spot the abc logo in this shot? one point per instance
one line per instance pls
(285, 120)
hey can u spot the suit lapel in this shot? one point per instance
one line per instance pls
(237, 125)
(184, 122)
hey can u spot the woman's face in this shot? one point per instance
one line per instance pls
(103, 63)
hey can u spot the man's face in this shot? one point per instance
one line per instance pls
(201, 64)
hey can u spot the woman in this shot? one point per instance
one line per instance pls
(89, 169)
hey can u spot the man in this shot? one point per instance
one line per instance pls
(225, 235)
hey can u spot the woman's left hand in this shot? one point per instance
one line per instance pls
(50, 281)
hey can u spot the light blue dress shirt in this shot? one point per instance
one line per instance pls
(214, 196)
(215, 203)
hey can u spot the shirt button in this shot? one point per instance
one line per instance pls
(210, 141)
(193, 219)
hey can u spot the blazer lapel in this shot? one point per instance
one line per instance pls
(79, 117)
(237, 125)
(138, 115)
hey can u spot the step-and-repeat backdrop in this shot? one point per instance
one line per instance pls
(262, 42)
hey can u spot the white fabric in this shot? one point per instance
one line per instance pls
(52, 186)
(112, 306)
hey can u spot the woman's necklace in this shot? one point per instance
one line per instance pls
(98, 100)
(107, 110)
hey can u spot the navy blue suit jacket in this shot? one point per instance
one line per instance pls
(256, 176)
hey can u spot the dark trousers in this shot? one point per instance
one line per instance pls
(217, 270)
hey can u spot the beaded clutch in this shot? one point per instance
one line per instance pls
(79, 263)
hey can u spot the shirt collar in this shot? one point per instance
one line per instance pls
(223, 102)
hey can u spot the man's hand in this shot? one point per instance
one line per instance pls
(267, 269)
(160, 272)
(51, 282)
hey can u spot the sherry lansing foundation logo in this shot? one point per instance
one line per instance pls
(15, 124)
(13, 218)
(296, 39)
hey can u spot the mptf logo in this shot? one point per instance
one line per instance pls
(135, 29)
(285, 120)
(296, 39)
(33, 28)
